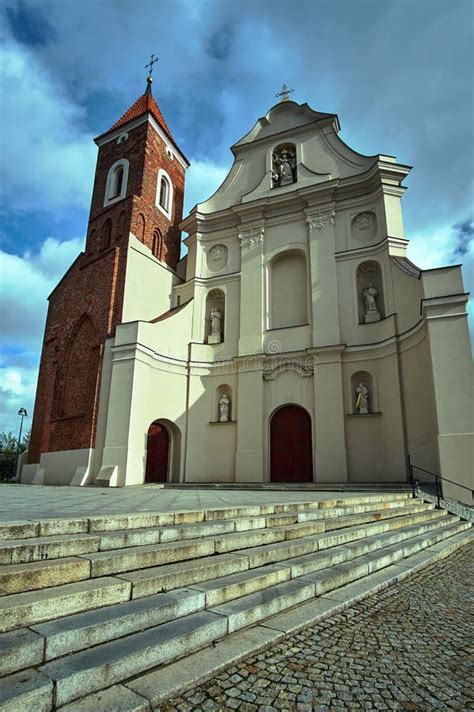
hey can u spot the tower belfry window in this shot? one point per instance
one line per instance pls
(164, 193)
(118, 181)
(116, 184)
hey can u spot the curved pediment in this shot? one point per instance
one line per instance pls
(319, 156)
(285, 116)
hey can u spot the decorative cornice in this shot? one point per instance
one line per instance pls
(320, 220)
(251, 237)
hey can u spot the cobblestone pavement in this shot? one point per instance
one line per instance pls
(406, 648)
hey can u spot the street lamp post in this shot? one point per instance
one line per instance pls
(22, 413)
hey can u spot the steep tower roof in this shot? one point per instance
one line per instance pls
(145, 104)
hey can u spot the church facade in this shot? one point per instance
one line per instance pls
(295, 341)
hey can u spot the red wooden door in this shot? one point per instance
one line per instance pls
(157, 456)
(291, 445)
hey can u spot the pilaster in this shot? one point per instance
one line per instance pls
(330, 437)
(251, 238)
(324, 294)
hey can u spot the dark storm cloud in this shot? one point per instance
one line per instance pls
(464, 235)
(28, 24)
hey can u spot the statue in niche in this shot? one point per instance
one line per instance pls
(371, 311)
(362, 399)
(215, 337)
(224, 409)
(283, 166)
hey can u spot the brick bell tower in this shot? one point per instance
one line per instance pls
(138, 190)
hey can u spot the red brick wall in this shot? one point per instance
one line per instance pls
(86, 306)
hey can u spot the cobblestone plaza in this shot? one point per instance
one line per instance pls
(409, 647)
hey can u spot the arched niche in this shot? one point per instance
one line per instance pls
(224, 412)
(106, 234)
(364, 226)
(141, 225)
(81, 362)
(121, 225)
(157, 244)
(284, 171)
(214, 328)
(288, 290)
(367, 380)
(370, 297)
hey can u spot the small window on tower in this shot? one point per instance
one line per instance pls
(118, 181)
(116, 184)
(164, 193)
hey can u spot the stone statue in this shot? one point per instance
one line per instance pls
(369, 295)
(371, 311)
(224, 409)
(215, 336)
(362, 399)
(284, 167)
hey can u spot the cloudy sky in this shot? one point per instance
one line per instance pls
(398, 72)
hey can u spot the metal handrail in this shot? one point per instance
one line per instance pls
(439, 495)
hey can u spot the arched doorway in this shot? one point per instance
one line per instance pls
(291, 449)
(158, 453)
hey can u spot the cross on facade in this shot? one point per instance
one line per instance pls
(283, 93)
(149, 66)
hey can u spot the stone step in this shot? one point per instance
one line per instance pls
(51, 547)
(24, 609)
(26, 691)
(141, 557)
(399, 506)
(146, 582)
(85, 630)
(309, 563)
(342, 521)
(242, 612)
(19, 649)
(227, 588)
(16, 578)
(104, 665)
(141, 537)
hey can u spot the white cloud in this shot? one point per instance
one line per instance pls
(25, 283)
(47, 159)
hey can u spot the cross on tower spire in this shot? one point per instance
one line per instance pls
(149, 66)
(283, 93)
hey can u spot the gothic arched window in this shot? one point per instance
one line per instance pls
(118, 179)
(116, 184)
(164, 193)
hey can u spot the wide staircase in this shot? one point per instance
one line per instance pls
(93, 604)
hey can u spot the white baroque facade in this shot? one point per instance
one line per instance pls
(295, 295)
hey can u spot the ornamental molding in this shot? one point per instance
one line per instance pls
(251, 237)
(304, 369)
(321, 220)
